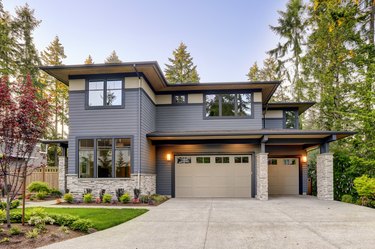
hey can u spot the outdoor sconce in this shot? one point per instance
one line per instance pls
(304, 159)
(169, 157)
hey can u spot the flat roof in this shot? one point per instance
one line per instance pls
(300, 106)
(154, 75)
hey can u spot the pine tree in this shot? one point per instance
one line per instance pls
(27, 56)
(89, 60)
(112, 58)
(53, 55)
(182, 68)
(254, 73)
(292, 28)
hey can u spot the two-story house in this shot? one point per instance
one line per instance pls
(129, 128)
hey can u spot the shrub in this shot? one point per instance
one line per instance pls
(64, 229)
(2, 215)
(101, 193)
(69, 198)
(87, 198)
(14, 230)
(13, 204)
(40, 222)
(33, 234)
(158, 198)
(4, 240)
(15, 217)
(41, 195)
(41, 212)
(125, 198)
(64, 219)
(38, 187)
(119, 192)
(107, 198)
(347, 198)
(55, 193)
(87, 191)
(144, 198)
(81, 225)
(365, 187)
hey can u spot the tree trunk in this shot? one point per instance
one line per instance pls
(8, 199)
(23, 198)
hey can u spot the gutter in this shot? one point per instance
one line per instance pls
(139, 128)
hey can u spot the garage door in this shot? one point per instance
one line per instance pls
(283, 176)
(213, 176)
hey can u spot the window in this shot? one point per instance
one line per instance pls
(290, 161)
(179, 99)
(183, 160)
(228, 105)
(105, 93)
(222, 159)
(241, 159)
(86, 158)
(272, 161)
(112, 157)
(203, 160)
(291, 119)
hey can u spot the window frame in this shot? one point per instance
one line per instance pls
(105, 79)
(113, 138)
(179, 94)
(296, 123)
(236, 116)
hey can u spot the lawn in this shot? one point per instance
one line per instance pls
(101, 218)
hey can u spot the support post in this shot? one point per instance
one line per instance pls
(262, 176)
(324, 174)
(62, 173)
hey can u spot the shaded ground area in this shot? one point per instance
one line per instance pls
(281, 222)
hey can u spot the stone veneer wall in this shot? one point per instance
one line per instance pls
(77, 185)
(324, 175)
(63, 164)
(262, 176)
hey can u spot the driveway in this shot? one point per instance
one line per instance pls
(281, 222)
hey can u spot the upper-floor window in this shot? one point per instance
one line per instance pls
(105, 93)
(179, 99)
(228, 105)
(291, 119)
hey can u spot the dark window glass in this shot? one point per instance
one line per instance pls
(199, 159)
(86, 158)
(218, 160)
(226, 159)
(123, 157)
(105, 92)
(272, 161)
(228, 105)
(183, 160)
(179, 99)
(290, 120)
(244, 104)
(245, 159)
(104, 155)
(212, 105)
(237, 159)
(207, 160)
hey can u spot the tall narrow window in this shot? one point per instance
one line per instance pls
(212, 105)
(228, 105)
(86, 158)
(104, 157)
(122, 157)
(291, 119)
(96, 94)
(243, 104)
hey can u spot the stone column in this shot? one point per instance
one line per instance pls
(262, 176)
(62, 173)
(304, 178)
(324, 175)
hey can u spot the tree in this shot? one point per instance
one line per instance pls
(182, 68)
(254, 73)
(112, 58)
(23, 120)
(89, 60)
(292, 28)
(27, 55)
(53, 55)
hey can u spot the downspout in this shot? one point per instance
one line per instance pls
(139, 127)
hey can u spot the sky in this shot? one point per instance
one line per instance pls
(224, 37)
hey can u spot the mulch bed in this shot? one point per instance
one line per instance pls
(118, 204)
(51, 235)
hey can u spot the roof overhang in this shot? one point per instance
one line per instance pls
(300, 106)
(154, 75)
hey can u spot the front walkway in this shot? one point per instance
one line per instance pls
(281, 222)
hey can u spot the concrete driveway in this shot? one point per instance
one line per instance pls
(281, 222)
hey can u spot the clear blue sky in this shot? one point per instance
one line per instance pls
(224, 37)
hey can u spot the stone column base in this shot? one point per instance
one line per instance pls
(62, 173)
(324, 175)
(262, 176)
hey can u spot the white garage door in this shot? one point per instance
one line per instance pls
(213, 176)
(283, 176)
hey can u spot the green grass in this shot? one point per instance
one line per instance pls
(101, 218)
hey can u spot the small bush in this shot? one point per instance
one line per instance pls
(15, 217)
(14, 230)
(41, 212)
(119, 192)
(2, 215)
(33, 234)
(40, 222)
(69, 198)
(4, 240)
(144, 198)
(64, 219)
(38, 187)
(87, 198)
(107, 198)
(347, 198)
(13, 204)
(158, 198)
(41, 195)
(365, 187)
(55, 193)
(64, 229)
(125, 198)
(81, 225)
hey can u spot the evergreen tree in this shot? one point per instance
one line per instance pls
(89, 60)
(27, 56)
(254, 73)
(292, 28)
(112, 58)
(182, 68)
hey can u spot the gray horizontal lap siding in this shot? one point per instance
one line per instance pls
(274, 123)
(190, 118)
(103, 122)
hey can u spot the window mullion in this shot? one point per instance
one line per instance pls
(105, 92)
(220, 103)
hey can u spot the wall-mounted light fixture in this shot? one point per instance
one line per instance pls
(169, 156)
(304, 159)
